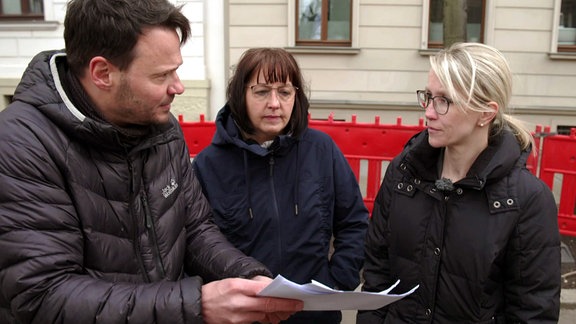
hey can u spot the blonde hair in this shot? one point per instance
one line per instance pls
(474, 74)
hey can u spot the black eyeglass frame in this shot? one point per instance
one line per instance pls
(430, 98)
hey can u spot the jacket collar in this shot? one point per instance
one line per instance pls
(228, 133)
(41, 87)
(502, 154)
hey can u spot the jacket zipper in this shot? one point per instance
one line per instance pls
(152, 232)
(275, 202)
(135, 236)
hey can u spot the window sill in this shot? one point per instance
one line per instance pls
(428, 51)
(28, 25)
(562, 56)
(323, 50)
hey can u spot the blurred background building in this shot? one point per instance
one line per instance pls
(362, 57)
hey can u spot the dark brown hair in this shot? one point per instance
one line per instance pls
(278, 66)
(111, 28)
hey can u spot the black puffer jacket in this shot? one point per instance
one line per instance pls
(94, 232)
(486, 252)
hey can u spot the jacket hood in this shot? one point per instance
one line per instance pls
(501, 155)
(41, 87)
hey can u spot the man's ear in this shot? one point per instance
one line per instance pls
(100, 72)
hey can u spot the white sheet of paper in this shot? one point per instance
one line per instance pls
(317, 296)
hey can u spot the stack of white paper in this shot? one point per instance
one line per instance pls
(317, 296)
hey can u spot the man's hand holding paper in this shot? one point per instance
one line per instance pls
(317, 296)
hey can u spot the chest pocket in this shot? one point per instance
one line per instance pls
(232, 216)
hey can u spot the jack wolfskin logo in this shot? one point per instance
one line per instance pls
(169, 189)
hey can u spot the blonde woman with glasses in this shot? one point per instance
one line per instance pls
(459, 214)
(280, 190)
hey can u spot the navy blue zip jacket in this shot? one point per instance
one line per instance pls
(282, 205)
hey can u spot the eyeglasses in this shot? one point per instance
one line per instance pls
(440, 103)
(262, 91)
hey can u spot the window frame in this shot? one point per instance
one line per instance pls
(323, 42)
(556, 47)
(486, 26)
(25, 15)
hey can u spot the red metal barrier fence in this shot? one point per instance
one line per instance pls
(370, 146)
(558, 170)
(366, 146)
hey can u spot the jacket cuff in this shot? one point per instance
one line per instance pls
(191, 289)
(256, 272)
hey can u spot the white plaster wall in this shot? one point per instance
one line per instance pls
(381, 76)
(378, 78)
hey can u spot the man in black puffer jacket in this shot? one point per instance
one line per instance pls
(101, 217)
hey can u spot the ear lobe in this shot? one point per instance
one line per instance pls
(100, 70)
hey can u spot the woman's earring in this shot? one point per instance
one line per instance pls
(481, 124)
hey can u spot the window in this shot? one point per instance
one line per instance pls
(567, 27)
(474, 26)
(21, 9)
(323, 22)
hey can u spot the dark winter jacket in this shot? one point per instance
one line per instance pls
(93, 230)
(487, 251)
(283, 205)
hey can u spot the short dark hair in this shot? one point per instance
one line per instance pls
(278, 66)
(111, 28)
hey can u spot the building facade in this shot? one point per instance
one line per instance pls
(361, 57)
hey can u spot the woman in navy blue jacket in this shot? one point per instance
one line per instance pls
(280, 190)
